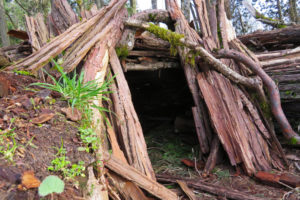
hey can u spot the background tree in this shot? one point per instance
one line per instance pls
(186, 7)
(99, 3)
(3, 26)
(133, 6)
(154, 4)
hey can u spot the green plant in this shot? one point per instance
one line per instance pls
(8, 144)
(222, 174)
(20, 72)
(74, 90)
(89, 137)
(61, 164)
(8, 149)
(50, 185)
(122, 52)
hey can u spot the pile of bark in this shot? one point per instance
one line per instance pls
(279, 54)
(226, 85)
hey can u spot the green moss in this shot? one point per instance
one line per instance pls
(264, 106)
(281, 26)
(293, 141)
(26, 73)
(165, 34)
(152, 17)
(220, 36)
(191, 57)
(122, 52)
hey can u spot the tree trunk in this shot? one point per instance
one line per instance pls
(154, 4)
(133, 6)
(293, 11)
(279, 10)
(99, 3)
(3, 26)
(186, 7)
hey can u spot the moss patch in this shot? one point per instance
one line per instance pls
(165, 34)
(122, 52)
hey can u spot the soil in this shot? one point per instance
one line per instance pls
(25, 109)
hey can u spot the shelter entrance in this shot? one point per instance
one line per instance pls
(163, 103)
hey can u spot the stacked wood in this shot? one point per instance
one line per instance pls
(281, 60)
(278, 39)
(14, 53)
(240, 138)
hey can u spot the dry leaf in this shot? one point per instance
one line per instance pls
(72, 114)
(44, 117)
(29, 181)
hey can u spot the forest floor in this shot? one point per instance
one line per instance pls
(35, 131)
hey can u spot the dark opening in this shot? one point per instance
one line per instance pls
(163, 103)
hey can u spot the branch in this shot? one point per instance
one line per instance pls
(266, 20)
(273, 91)
(207, 57)
(26, 10)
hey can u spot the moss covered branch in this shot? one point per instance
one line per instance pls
(178, 40)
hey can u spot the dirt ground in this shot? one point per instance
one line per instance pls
(39, 127)
(37, 142)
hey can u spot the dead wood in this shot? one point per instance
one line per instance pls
(77, 32)
(129, 127)
(210, 188)
(186, 190)
(37, 31)
(151, 66)
(221, 96)
(274, 95)
(210, 94)
(62, 17)
(213, 156)
(14, 53)
(128, 37)
(137, 177)
(273, 40)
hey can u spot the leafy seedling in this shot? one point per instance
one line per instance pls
(51, 184)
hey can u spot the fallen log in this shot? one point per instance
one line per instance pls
(291, 180)
(210, 188)
(151, 66)
(277, 39)
(11, 54)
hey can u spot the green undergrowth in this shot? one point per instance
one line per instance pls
(62, 164)
(166, 150)
(80, 95)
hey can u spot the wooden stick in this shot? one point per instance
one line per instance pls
(210, 188)
(137, 177)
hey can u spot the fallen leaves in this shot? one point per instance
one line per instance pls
(72, 114)
(29, 181)
(43, 117)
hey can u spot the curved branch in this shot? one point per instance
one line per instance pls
(151, 15)
(207, 57)
(273, 91)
